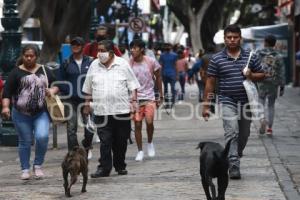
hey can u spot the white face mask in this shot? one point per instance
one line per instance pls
(103, 56)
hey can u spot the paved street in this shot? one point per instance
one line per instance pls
(270, 167)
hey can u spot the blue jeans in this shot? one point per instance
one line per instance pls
(169, 80)
(182, 76)
(26, 126)
(200, 85)
(236, 124)
(269, 110)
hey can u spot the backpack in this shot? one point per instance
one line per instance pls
(269, 65)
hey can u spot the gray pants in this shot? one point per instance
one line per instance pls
(269, 110)
(72, 126)
(236, 124)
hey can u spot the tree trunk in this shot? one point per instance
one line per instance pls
(60, 18)
(195, 20)
(26, 9)
(180, 30)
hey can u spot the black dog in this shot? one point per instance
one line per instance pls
(214, 164)
(75, 162)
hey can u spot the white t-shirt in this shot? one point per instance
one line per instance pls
(78, 62)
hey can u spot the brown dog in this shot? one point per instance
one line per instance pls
(75, 162)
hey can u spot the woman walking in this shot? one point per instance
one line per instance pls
(26, 89)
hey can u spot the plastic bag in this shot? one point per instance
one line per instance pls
(252, 94)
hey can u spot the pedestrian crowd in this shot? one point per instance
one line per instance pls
(106, 88)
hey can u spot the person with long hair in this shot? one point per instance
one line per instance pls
(26, 89)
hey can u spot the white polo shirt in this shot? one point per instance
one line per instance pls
(110, 86)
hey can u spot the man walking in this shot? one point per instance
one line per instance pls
(108, 83)
(91, 49)
(273, 65)
(227, 66)
(168, 62)
(147, 71)
(73, 71)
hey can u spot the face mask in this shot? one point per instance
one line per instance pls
(103, 56)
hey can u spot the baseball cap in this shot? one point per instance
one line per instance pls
(77, 40)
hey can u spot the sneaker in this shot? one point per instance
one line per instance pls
(38, 172)
(90, 154)
(139, 156)
(262, 128)
(269, 132)
(25, 175)
(151, 150)
(234, 173)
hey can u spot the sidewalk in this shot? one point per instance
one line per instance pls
(283, 148)
(174, 173)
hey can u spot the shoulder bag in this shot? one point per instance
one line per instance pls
(54, 105)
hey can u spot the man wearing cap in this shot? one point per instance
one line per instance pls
(72, 72)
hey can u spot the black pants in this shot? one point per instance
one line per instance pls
(71, 110)
(113, 131)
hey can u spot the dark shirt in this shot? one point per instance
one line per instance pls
(168, 62)
(196, 68)
(27, 90)
(74, 75)
(229, 72)
(91, 49)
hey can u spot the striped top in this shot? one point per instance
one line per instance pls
(228, 70)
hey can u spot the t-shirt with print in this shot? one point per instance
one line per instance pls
(27, 90)
(144, 72)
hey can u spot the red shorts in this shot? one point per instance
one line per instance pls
(146, 110)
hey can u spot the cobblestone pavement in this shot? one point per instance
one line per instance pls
(284, 147)
(174, 173)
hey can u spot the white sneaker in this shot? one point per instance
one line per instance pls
(90, 154)
(25, 174)
(139, 156)
(38, 172)
(151, 150)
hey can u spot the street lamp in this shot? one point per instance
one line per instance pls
(10, 51)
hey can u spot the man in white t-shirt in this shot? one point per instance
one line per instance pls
(112, 87)
(148, 73)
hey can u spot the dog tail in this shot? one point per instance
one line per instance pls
(226, 150)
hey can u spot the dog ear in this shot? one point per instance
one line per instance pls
(201, 145)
